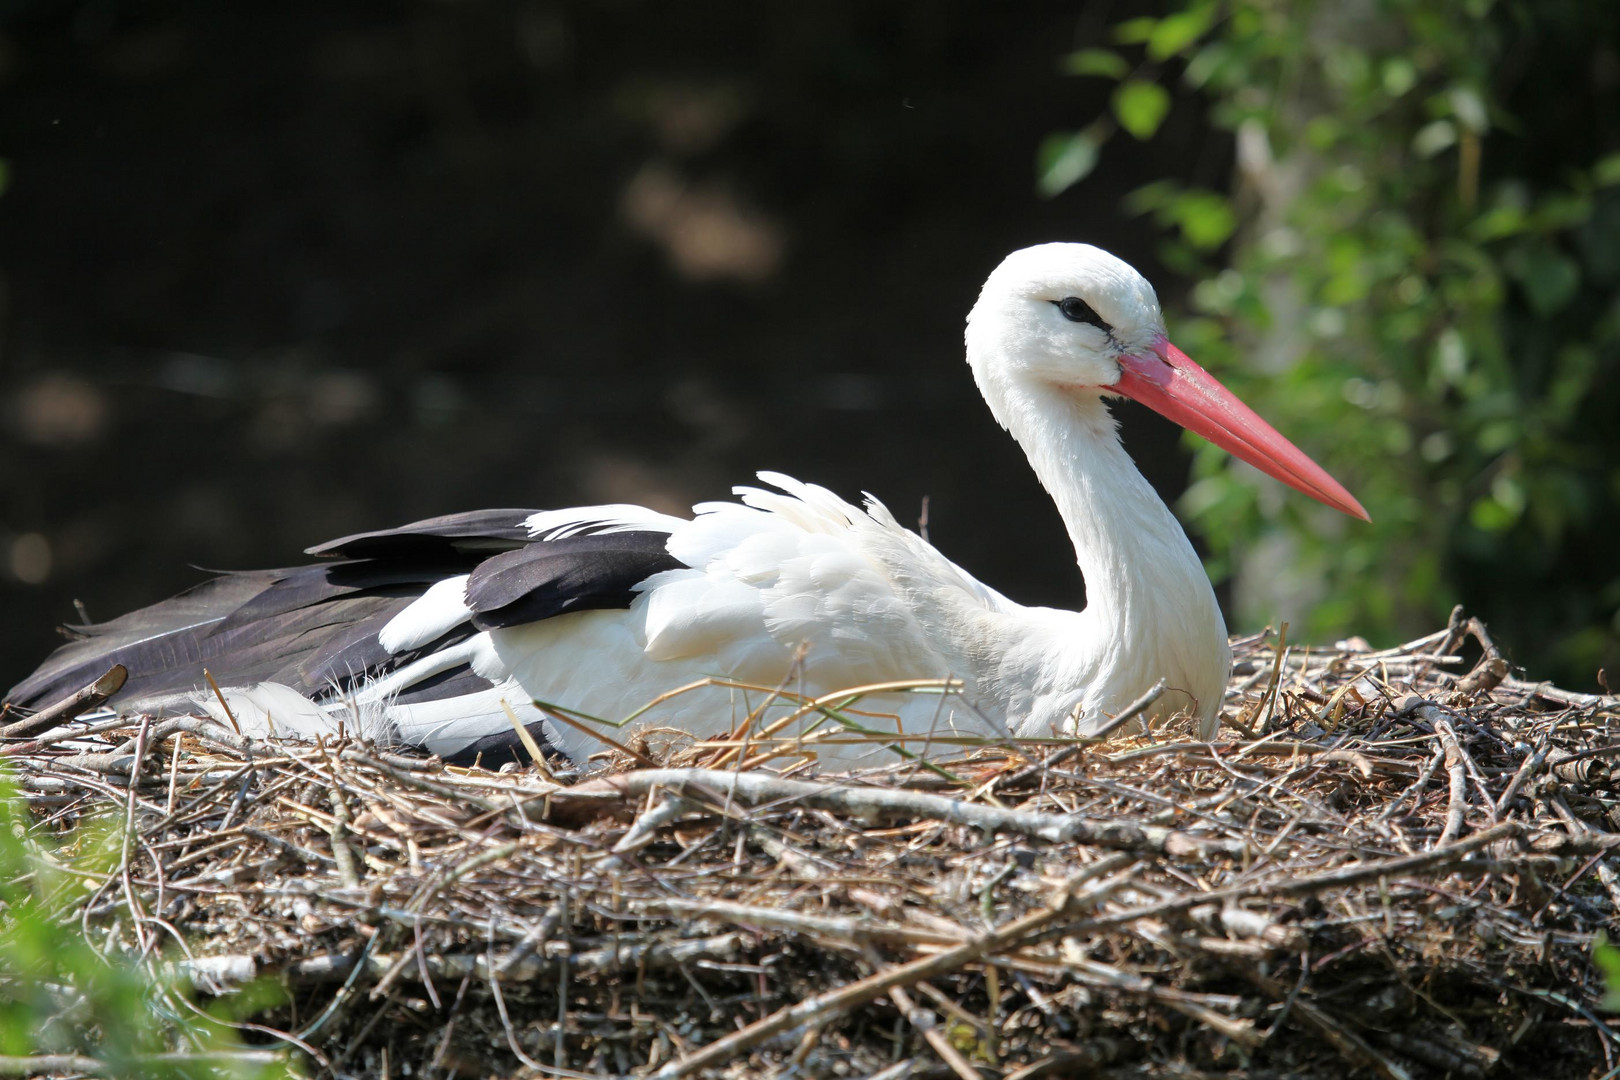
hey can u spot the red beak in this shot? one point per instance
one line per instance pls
(1167, 381)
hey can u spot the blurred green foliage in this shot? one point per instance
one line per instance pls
(60, 996)
(1606, 958)
(1416, 275)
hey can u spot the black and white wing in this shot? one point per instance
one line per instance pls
(388, 624)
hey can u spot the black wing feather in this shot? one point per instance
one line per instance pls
(314, 628)
(455, 682)
(271, 649)
(577, 573)
(308, 586)
(140, 640)
(474, 532)
(493, 751)
(353, 654)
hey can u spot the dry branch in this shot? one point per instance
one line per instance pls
(79, 702)
(876, 804)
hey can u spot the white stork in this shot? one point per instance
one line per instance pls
(430, 634)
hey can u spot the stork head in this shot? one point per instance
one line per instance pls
(1077, 320)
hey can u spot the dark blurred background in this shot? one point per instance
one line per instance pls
(277, 272)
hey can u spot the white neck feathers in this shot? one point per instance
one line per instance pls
(1150, 610)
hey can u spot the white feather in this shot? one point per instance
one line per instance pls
(475, 651)
(607, 518)
(432, 615)
(447, 725)
(266, 709)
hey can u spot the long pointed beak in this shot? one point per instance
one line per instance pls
(1167, 381)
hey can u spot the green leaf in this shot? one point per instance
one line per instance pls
(1206, 219)
(1607, 959)
(1434, 137)
(1605, 173)
(1496, 436)
(1469, 108)
(1562, 211)
(1103, 62)
(1175, 32)
(1322, 132)
(1497, 222)
(1549, 277)
(1063, 160)
(1141, 107)
(1135, 31)
(1399, 75)
(1488, 515)
(1205, 64)
(1152, 197)
(1508, 493)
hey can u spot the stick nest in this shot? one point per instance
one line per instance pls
(1387, 870)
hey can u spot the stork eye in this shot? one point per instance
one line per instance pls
(1077, 310)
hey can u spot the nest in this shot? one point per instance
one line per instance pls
(1388, 870)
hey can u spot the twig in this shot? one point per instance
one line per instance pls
(43, 1064)
(641, 830)
(87, 731)
(220, 696)
(926, 1023)
(334, 967)
(535, 756)
(1459, 783)
(1525, 771)
(342, 854)
(1269, 698)
(1311, 883)
(855, 930)
(1099, 974)
(1133, 710)
(873, 803)
(79, 701)
(1486, 676)
(1416, 787)
(1057, 757)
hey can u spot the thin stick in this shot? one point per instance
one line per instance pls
(1129, 713)
(742, 731)
(1459, 784)
(1268, 702)
(219, 694)
(556, 714)
(523, 735)
(926, 1023)
(44, 1064)
(1133, 710)
(79, 701)
(1310, 883)
(1526, 770)
(1416, 786)
(174, 776)
(755, 789)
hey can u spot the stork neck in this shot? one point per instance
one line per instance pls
(1138, 565)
